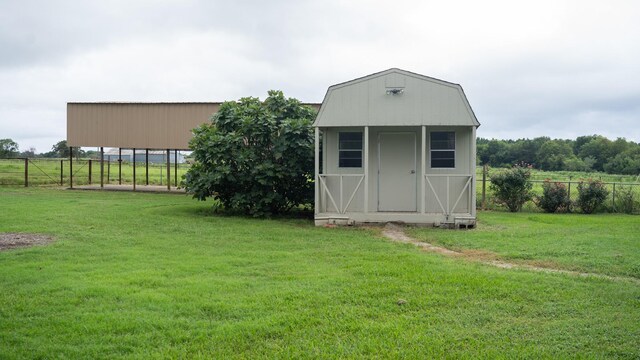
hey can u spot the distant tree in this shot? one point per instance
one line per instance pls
(8, 148)
(627, 162)
(61, 150)
(554, 154)
(31, 153)
(255, 157)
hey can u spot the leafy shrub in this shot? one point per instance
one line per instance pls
(555, 197)
(626, 200)
(512, 188)
(255, 157)
(591, 195)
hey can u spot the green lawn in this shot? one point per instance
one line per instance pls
(157, 276)
(606, 244)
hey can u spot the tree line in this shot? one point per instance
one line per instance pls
(585, 153)
(11, 149)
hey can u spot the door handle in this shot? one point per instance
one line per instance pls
(412, 172)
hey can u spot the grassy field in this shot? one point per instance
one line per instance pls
(605, 244)
(159, 276)
(47, 172)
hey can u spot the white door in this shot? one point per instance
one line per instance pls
(397, 171)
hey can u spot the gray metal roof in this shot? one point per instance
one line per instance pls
(395, 97)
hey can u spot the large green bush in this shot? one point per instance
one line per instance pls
(512, 188)
(555, 197)
(591, 195)
(255, 157)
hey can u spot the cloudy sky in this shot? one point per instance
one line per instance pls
(529, 68)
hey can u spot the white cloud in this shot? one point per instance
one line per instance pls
(555, 68)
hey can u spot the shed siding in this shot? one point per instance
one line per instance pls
(424, 101)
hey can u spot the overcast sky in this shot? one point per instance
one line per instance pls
(529, 68)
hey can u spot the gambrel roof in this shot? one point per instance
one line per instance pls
(395, 97)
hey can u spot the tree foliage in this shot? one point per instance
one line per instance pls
(585, 153)
(512, 187)
(255, 157)
(8, 148)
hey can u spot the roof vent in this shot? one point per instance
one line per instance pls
(395, 91)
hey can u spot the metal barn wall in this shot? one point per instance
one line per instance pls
(424, 101)
(135, 125)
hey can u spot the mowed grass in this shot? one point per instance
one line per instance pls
(157, 276)
(607, 244)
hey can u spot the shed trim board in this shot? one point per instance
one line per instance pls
(396, 111)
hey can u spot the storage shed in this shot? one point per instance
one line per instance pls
(395, 146)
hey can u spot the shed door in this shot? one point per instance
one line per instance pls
(397, 172)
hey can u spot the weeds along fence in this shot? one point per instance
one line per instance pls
(624, 190)
(56, 172)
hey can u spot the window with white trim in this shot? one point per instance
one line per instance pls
(350, 149)
(443, 149)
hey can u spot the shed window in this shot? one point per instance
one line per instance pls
(350, 149)
(443, 149)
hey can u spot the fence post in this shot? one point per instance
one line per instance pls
(61, 172)
(613, 198)
(484, 187)
(26, 172)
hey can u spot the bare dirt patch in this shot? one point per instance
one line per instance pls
(20, 240)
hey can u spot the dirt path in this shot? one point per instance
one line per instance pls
(396, 233)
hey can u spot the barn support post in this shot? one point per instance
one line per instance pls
(168, 170)
(146, 161)
(423, 168)
(108, 168)
(316, 182)
(89, 171)
(101, 167)
(175, 167)
(71, 167)
(26, 172)
(366, 169)
(134, 169)
(120, 166)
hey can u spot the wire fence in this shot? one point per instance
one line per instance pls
(56, 172)
(624, 190)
